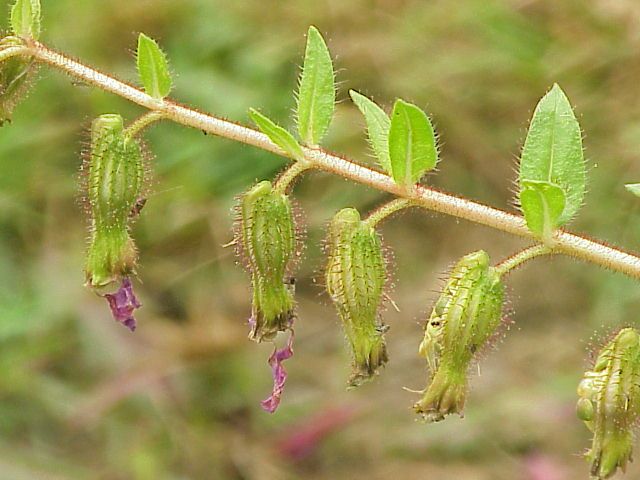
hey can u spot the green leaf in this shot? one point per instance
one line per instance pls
(633, 188)
(25, 18)
(153, 68)
(378, 124)
(277, 134)
(316, 95)
(412, 143)
(552, 151)
(542, 205)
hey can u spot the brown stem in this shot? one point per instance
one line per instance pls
(564, 242)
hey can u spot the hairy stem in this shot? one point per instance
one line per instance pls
(9, 52)
(287, 177)
(388, 209)
(565, 242)
(143, 122)
(516, 260)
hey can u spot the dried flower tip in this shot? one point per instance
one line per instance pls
(16, 74)
(462, 322)
(116, 173)
(609, 402)
(279, 373)
(267, 238)
(123, 303)
(355, 277)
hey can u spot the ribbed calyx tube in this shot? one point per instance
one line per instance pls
(268, 240)
(114, 184)
(355, 278)
(464, 319)
(609, 403)
(16, 75)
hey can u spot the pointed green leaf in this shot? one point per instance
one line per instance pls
(25, 18)
(153, 68)
(412, 143)
(316, 95)
(277, 134)
(633, 188)
(542, 205)
(553, 151)
(378, 124)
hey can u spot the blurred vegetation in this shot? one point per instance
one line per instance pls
(81, 398)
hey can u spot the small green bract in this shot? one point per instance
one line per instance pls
(153, 68)
(552, 154)
(316, 96)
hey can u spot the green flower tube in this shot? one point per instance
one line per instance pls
(116, 173)
(463, 320)
(355, 278)
(268, 241)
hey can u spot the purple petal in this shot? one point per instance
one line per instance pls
(279, 375)
(123, 303)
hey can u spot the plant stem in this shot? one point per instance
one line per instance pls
(384, 211)
(289, 175)
(9, 52)
(143, 122)
(565, 242)
(516, 260)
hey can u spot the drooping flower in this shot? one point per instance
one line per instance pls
(463, 320)
(267, 238)
(355, 277)
(609, 403)
(115, 169)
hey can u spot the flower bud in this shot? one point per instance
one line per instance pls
(268, 240)
(609, 403)
(16, 74)
(464, 319)
(355, 279)
(116, 173)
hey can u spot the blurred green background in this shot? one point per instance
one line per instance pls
(82, 398)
